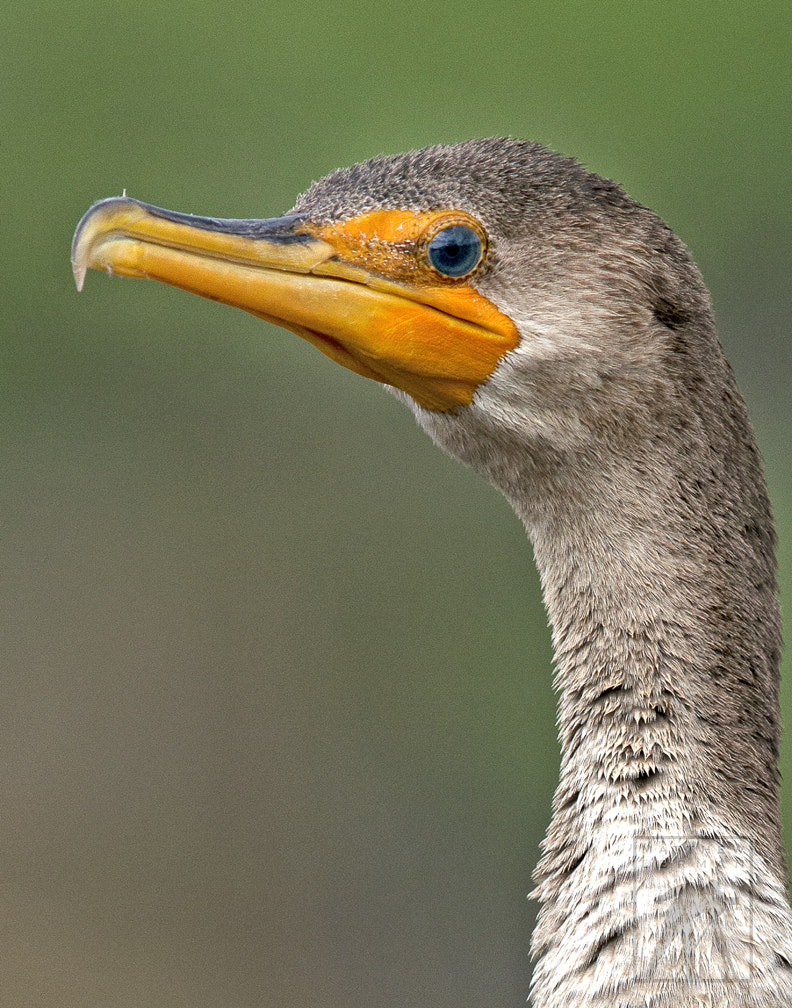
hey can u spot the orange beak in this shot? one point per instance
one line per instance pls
(355, 289)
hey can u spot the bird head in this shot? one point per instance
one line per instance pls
(507, 295)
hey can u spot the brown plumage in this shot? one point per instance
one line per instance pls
(611, 422)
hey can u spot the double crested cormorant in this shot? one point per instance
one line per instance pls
(555, 335)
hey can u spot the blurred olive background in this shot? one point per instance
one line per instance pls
(278, 717)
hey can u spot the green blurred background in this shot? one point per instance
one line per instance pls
(279, 727)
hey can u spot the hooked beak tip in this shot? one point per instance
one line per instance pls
(79, 271)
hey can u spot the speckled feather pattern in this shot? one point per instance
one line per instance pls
(616, 431)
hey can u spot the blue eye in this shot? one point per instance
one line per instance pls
(455, 251)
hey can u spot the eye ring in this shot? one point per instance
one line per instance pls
(454, 247)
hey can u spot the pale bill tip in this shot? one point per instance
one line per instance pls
(79, 274)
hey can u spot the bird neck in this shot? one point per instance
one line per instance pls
(663, 882)
(663, 860)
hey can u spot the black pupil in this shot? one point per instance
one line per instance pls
(455, 250)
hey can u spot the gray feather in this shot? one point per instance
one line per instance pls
(616, 431)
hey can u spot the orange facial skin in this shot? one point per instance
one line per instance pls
(362, 290)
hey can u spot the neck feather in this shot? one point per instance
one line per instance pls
(637, 477)
(663, 868)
